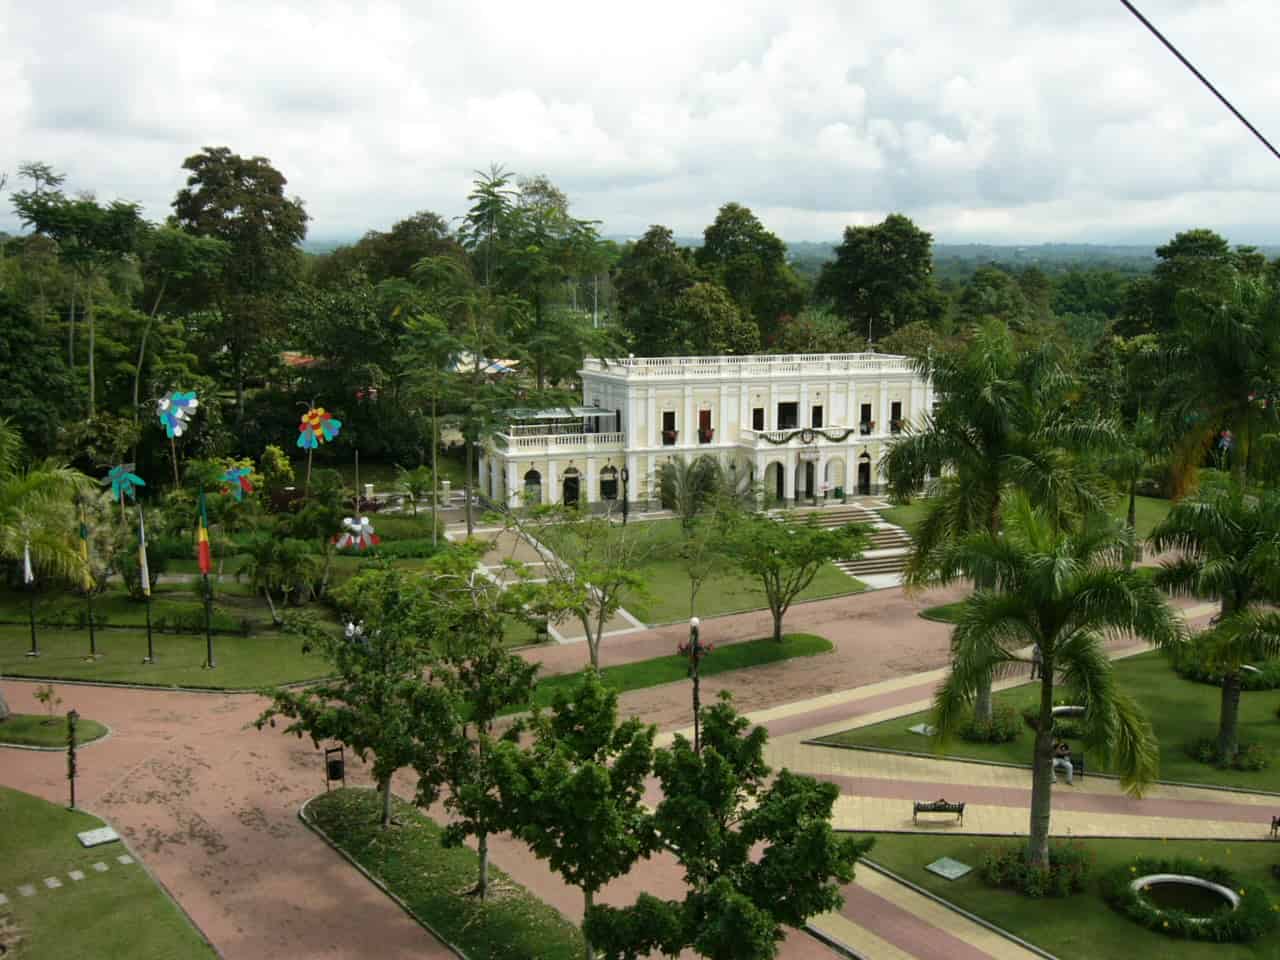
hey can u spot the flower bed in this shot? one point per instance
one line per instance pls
(1253, 916)
(1006, 866)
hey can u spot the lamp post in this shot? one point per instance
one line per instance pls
(694, 650)
(626, 475)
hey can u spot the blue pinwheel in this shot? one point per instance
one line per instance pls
(175, 410)
(123, 481)
(237, 482)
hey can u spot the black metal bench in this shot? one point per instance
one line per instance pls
(936, 806)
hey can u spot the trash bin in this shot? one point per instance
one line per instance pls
(839, 493)
(336, 768)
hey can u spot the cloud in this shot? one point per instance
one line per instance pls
(1027, 122)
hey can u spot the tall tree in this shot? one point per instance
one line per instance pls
(882, 277)
(758, 851)
(1064, 591)
(1001, 423)
(751, 264)
(576, 793)
(242, 202)
(649, 278)
(1227, 543)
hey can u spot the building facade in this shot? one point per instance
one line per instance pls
(807, 427)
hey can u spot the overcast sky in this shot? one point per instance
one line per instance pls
(1031, 121)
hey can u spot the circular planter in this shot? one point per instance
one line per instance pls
(1225, 894)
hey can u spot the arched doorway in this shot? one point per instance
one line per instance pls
(864, 474)
(805, 479)
(609, 483)
(533, 488)
(774, 482)
(571, 487)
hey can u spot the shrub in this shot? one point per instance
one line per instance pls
(1250, 920)
(1249, 757)
(1002, 728)
(399, 549)
(1067, 873)
(1191, 666)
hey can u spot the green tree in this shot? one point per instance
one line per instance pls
(474, 679)
(1065, 591)
(786, 555)
(275, 565)
(882, 277)
(712, 324)
(649, 278)
(1227, 544)
(1001, 423)
(751, 264)
(241, 201)
(368, 705)
(575, 795)
(688, 486)
(758, 851)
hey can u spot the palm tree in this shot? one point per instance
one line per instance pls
(687, 486)
(999, 425)
(1066, 591)
(1215, 368)
(1229, 546)
(285, 566)
(1128, 459)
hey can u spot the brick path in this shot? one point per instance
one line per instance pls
(210, 804)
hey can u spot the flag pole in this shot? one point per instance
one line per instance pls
(144, 571)
(88, 583)
(206, 564)
(28, 577)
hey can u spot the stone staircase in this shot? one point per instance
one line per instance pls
(882, 562)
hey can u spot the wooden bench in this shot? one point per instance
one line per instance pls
(936, 806)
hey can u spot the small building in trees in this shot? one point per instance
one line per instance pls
(802, 427)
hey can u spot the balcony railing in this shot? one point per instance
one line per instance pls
(767, 365)
(797, 437)
(559, 442)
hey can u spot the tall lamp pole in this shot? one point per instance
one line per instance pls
(626, 475)
(694, 650)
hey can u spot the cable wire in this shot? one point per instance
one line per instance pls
(1201, 77)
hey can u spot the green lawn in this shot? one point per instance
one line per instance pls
(943, 613)
(106, 916)
(1180, 711)
(907, 516)
(243, 662)
(235, 607)
(37, 730)
(433, 880)
(666, 597)
(1082, 925)
(650, 673)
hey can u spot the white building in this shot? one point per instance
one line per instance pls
(809, 426)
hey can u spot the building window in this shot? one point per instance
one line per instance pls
(788, 416)
(865, 423)
(705, 431)
(757, 418)
(669, 434)
(895, 416)
(816, 419)
(609, 483)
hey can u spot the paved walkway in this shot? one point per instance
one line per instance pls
(210, 804)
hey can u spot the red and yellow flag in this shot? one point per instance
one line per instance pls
(202, 540)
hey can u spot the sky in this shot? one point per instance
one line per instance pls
(1026, 122)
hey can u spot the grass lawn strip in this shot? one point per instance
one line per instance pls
(119, 913)
(244, 663)
(36, 730)
(669, 669)
(433, 882)
(1149, 511)
(1081, 925)
(1180, 711)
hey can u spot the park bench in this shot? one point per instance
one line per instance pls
(1077, 764)
(1275, 827)
(936, 806)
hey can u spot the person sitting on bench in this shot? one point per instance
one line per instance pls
(1062, 761)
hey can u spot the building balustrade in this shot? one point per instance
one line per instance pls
(559, 442)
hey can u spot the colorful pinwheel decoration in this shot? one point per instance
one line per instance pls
(357, 533)
(176, 409)
(237, 482)
(318, 426)
(123, 482)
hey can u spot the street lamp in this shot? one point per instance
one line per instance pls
(695, 650)
(626, 475)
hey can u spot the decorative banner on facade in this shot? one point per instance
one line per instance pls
(175, 410)
(237, 482)
(123, 481)
(318, 426)
(356, 533)
(806, 435)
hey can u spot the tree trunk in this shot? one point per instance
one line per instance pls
(1042, 774)
(467, 486)
(482, 849)
(777, 623)
(386, 803)
(588, 900)
(142, 353)
(275, 617)
(982, 706)
(71, 333)
(1229, 717)
(1131, 521)
(93, 391)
